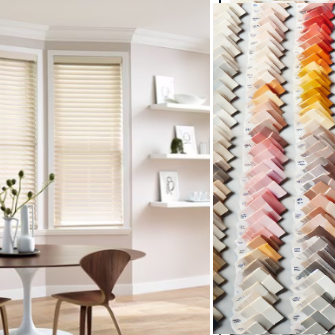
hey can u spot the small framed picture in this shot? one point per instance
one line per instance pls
(164, 89)
(169, 186)
(187, 135)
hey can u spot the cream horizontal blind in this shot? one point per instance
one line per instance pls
(18, 140)
(88, 142)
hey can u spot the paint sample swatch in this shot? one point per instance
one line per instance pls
(313, 265)
(259, 227)
(226, 30)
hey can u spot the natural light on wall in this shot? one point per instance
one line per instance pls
(88, 141)
(18, 149)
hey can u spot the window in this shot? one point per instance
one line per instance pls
(18, 115)
(87, 101)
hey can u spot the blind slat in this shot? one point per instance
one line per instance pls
(18, 123)
(88, 144)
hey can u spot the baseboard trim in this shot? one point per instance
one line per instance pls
(17, 294)
(169, 285)
(121, 289)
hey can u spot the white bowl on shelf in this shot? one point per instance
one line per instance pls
(189, 99)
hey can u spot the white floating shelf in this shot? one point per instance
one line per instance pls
(180, 156)
(180, 204)
(181, 108)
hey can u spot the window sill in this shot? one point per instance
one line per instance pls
(81, 232)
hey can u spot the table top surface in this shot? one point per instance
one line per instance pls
(59, 256)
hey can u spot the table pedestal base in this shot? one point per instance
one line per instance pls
(38, 331)
(27, 326)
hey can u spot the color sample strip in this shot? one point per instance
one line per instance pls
(259, 230)
(226, 29)
(313, 265)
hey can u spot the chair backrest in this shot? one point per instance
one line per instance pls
(105, 268)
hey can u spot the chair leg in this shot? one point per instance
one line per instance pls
(82, 320)
(4, 320)
(114, 319)
(89, 320)
(56, 317)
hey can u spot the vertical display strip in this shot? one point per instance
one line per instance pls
(259, 230)
(225, 49)
(313, 265)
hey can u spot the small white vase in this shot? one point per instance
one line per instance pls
(26, 242)
(8, 241)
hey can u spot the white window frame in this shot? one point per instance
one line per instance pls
(27, 54)
(126, 228)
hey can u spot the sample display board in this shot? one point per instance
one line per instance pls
(226, 24)
(280, 258)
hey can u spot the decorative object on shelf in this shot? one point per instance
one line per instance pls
(169, 186)
(177, 146)
(164, 89)
(203, 148)
(189, 99)
(187, 135)
(10, 211)
(201, 196)
(26, 242)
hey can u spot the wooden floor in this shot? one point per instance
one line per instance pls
(173, 312)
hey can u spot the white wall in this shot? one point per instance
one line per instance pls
(176, 240)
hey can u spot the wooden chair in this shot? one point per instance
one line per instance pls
(3, 312)
(104, 267)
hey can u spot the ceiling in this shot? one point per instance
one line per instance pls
(182, 17)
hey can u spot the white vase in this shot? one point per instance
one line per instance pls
(8, 241)
(26, 242)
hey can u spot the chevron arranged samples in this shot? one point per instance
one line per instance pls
(225, 49)
(313, 265)
(259, 230)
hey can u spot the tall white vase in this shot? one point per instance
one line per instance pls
(8, 240)
(26, 242)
